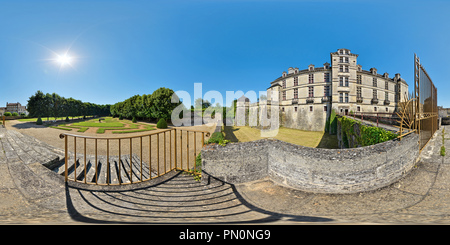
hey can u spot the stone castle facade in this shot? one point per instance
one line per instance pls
(306, 97)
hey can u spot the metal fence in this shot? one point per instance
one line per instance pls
(426, 110)
(131, 159)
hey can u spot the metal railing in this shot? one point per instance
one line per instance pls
(385, 118)
(120, 160)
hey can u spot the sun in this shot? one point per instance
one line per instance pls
(64, 59)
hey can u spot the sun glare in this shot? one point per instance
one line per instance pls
(64, 59)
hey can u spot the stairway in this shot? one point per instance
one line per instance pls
(120, 172)
(30, 149)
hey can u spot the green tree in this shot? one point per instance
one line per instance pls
(162, 106)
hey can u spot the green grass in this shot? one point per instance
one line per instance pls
(108, 123)
(27, 119)
(99, 125)
(57, 127)
(82, 130)
(147, 128)
(314, 139)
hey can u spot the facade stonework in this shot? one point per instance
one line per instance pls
(306, 97)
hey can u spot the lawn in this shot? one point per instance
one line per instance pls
(314, 139)
(92, 123)
(114, 125)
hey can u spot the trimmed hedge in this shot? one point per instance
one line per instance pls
(161, 123)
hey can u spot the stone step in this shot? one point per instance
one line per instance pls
(37, 150)
(123, 175)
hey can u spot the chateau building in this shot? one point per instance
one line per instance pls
(306, 97)
(14, 107)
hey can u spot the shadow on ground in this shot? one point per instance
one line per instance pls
(178, 199)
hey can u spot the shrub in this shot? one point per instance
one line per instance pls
(333, 122)
(216, 137)
(67, 119)
(442, 150)
(39, 121)
(161, 123)
(134, 120)
(7, 114)
(120, 117)
(15, 114)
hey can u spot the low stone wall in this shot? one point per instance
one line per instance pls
(311, 169)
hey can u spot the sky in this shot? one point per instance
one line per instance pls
(118, 49)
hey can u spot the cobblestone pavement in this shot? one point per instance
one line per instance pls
(30, 194)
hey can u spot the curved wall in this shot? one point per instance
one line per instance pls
(311, 169)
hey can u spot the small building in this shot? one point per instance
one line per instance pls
(15, 107)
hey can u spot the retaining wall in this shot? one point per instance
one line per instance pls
(311, 169)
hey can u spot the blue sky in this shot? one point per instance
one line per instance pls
(123, 48)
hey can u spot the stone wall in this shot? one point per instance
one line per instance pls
(311, 169)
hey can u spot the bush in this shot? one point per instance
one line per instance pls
(39, 121)
(120, 117)
(161, 123)
(333, 122)
(442, 150)
(7, 114)
(67, 119)
(15, 114)
(134, 120)
(216, 137)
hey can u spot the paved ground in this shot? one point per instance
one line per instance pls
(30, 194)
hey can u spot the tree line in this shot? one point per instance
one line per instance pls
(147, 106)
(53, 105)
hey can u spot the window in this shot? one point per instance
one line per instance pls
(311, 78)
(387, 110)
(374, 80)
(310, 108)
(346, 68)
(341, 68)
(358, 92)
(325, 108)
(386, 96)
(326, 91)
(358, 79)
(358, 109)
(295, 93)
(282, 109)
(346, 97)
(311, 92)
(386, 85)
(326, 77)
(284, 95)
(341, 97)
(343, 81)
(295, 81)
(374, 109)
(374, 94)
(295, 109)
(284, 83)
